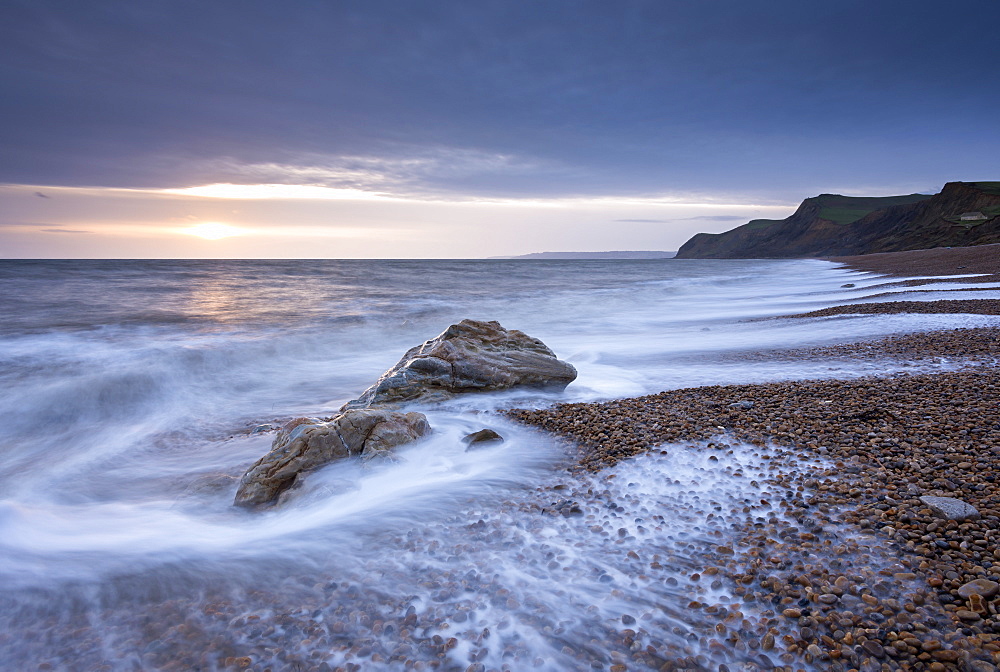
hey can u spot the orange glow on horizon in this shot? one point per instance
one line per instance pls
(213, 230)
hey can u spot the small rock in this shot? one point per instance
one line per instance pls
(873, 648)
(977, 604)
(982, 587)
(567, 507)
(951, 508)
(745, 404)
(478, 439)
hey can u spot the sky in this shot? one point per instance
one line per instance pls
(467, 129)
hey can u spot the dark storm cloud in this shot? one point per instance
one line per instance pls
(496, 97)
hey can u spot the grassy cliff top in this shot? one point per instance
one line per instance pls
(847, 209)
(988, 187)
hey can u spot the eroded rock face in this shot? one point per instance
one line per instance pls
(470, 356)
(304, 444)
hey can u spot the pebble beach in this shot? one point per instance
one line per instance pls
(866, 451)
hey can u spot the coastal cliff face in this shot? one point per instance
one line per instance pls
(831, 225)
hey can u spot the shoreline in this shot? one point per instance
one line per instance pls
(939, 261)
(881, 447)
(740, 547)
(880, 444)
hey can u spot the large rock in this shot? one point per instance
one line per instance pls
(304, 444)
(470, 356)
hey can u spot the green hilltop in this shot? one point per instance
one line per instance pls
(847, 209)
(834, 225)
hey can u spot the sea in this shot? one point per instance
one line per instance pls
(133, 394)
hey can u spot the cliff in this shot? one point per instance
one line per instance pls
(832, 225)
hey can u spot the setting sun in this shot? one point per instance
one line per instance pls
(213, 230)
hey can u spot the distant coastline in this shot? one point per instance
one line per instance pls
(618, 254)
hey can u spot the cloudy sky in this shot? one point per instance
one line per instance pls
(461, 128)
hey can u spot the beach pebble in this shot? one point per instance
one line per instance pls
(985, 588)
(951, 508)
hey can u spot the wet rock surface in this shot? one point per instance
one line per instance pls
(482, 438)
(304, 444)
(471, 356)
